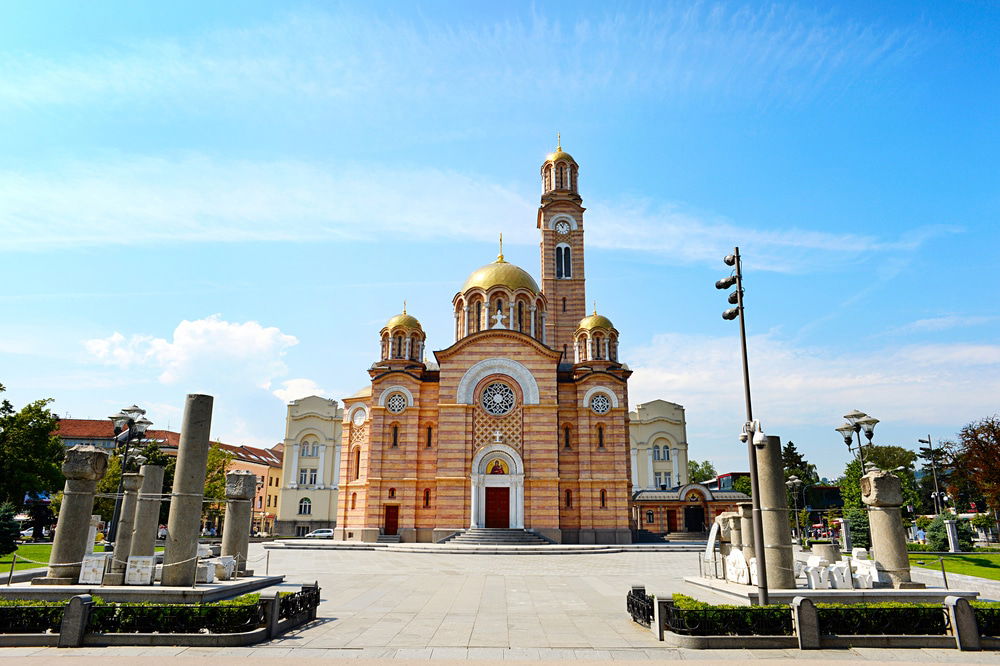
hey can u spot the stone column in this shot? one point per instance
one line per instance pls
(241, 486)
(83, 467)
(882, 492)
(676, 462)
(634, 462)
(321, 468)
(179, 563)
(777, 545)
(292, 465)
(126, 524)
(475, 500)
(746, 529)
(951, 529)
(650, 476)
(736, 531)
(336, 466)
(533, 308)
(147, 511)
(845, 535)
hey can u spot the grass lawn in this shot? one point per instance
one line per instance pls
(39, 552)
(985, 565)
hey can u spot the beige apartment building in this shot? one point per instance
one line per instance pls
(658, 442)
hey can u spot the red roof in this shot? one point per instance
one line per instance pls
(104, 429)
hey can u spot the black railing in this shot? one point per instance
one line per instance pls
(176, 619)
(640, 606)
(905, 620)
(748, 621)
(988, 619)
(30, 619)
(300, 603)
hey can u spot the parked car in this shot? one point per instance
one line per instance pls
(320, 534)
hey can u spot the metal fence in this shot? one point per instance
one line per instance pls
(988, 620)
(30, 619)
(640, 606)
(176, 619)
(912, 620)
(299, 603)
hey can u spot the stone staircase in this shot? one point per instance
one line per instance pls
(387, 538)
(490, 536)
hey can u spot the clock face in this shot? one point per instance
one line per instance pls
(359, 417)
(562, 227)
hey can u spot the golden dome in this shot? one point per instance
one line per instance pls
(501, 273)
(559, 154)
(404, 320)
(595, 321)
(363, 393)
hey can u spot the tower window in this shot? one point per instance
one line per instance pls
(564, 263)
(520, 316)
(395, 436)
(427, 498)
(357, 463)
(604, 498)
(564, 304)
(392, 493)
(566, 438)
(354, 500)
(430, 436)
(569, 499)
(479, 316)
(600, 437)
(649, 517)
(656, 453)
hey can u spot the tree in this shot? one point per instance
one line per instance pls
(219, 461)
(887, 458)
(743, 485)
(30, 450)
(699, 472)
(795, 464)
(937, 535)
(9, 530)
(858, 521)
(974, 458)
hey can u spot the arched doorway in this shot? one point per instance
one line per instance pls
(497, 488)
(694, 518)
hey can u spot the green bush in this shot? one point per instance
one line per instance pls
(859, 528)
(937, 535)
(219, 617)
(22, 616)
(697, 618)
(881, 618)
(918, 547)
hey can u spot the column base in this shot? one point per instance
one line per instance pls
(114, 578)
(53, 581)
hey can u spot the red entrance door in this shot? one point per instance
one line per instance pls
(498, 507)
(391, 519)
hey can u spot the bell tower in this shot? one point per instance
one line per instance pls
(560, 221)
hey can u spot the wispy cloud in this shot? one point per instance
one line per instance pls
(772, 54)
(946, 322)
(129, 201)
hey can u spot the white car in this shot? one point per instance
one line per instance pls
(320, 534)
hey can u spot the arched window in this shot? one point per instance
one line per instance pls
(427, 498)
(656, 453)
(305, 507)
(564, 304)
(559, 261)
(604, 498)
(430, 436)
(304, 449)
(600, 437)
(354, 500)
(564, 262)
(392, 493)
(520, 316)
(398, 351)
(395, 436)
(548, 177)
(649, 517)
(357, 463)
(666, 452)
(572, 178)
(566, 437)
(598, 346)
(560, 176)
(569, 499)
(479, 316)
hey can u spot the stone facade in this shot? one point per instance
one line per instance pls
(522, 422)
(311, 467)
(658, 446)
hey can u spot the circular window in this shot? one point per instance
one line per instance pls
(498, 399)
(396, 403)
(600, 403)
(359, 416)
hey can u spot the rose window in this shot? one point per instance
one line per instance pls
(600, 403)
(497, 399)
(396, 403)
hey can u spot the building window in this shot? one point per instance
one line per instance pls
(392, 493)
(649, 517)
(666, 481)
(304, 449)
(430, 436)
(427, 498)
(600, 437)
(497, 399)
(305, 507)
(659, 479)
(269, 500)
(395, 436)
(312, 477)
(354, 500)
(666, 453)
(564, 264)
(600, 403)
(260, 501)
(566, 437)
(604, 498)
(569, 499)
(479, 315)
(656, 452)
(396, 403)
(303, 476)
(357, 463)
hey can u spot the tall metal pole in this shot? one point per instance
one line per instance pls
(113, 529)
(937, 493)
(758, 527)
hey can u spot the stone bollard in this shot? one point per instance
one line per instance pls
(74, 621)
(746, 530)
(951, 529)
(806, 623)
(181, 548)
(147, 511)
(845, 535)
(241, 486)
(126, 520)
(777, 546)
(882, 492)
(83, 468)
(963, 623)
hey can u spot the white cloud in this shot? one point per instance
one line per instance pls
(210, 351)
(131, 201)
(771, 54)
(293, 389)
(945, 322)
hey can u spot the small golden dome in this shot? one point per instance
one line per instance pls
(404, 320)
(595, 321)
(363, 393)
(503, 273)
(559, 154)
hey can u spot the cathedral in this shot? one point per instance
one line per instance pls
(522, 422)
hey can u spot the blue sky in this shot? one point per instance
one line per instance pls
(232, 198)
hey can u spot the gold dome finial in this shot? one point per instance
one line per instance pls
(500, 259)
(595, 308)
(558, 142)
(404, 306)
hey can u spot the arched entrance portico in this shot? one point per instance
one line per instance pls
(497, 475)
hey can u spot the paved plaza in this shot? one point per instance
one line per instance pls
(391, 606)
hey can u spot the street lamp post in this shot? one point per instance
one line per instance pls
(130, 426)
(794, 483)
(856, 422)
(752, 433)
(937, 491)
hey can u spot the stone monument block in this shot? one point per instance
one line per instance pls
(880, 488)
